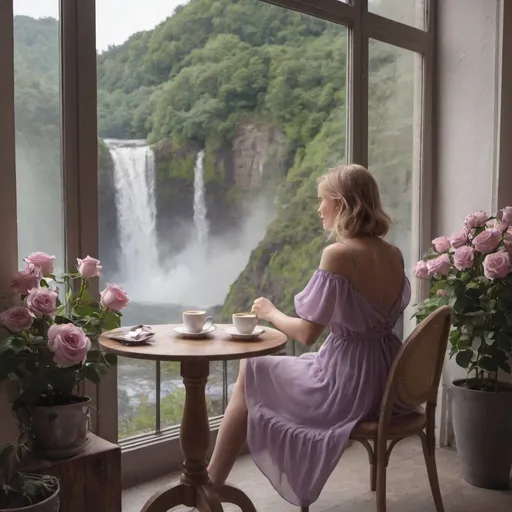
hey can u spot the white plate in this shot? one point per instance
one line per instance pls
(182, 331)
(258, 331)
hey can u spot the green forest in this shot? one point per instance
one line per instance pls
(214, 66)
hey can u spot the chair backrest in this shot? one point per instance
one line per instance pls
(416, 371)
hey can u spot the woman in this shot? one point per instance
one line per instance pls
(298, 412)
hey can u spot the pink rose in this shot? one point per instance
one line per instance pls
(440, 265)
(487, 240)
(442, 293)
(506, 214)
(89, 267)
(459, 238)
(476, 220)
(441, 244)
(114, 297)
(43, 261)
(496, 224)
(42, 302)
(27, 279)
(421, 270)
(16, 319)
(68, 343)
(497, 265)
(464, 257)
(507, 240)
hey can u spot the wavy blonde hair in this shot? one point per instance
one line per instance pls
(358, 205)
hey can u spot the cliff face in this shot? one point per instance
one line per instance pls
(252, 163)
(254, 151)
(108, 226)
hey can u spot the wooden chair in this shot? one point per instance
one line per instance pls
(413, 381)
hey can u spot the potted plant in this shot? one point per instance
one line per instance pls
(472, 272)
(25, 491)
(51, 347)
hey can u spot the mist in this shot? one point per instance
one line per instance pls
(198, 278)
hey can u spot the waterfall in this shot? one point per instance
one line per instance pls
(173, 279)
(200, 215)
(134, 181)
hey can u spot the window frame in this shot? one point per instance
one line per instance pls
(150, 455)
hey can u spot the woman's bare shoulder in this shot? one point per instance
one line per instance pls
(336, 259)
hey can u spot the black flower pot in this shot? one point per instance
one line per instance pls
(482, 422)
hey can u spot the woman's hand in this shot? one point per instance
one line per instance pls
(263, 308)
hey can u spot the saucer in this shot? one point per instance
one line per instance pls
(182, 331)
(258, 331)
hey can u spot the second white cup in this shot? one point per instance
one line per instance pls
(196, 321)
(245, 323)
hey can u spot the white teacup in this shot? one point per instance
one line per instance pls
(245, 323)
(196, 321)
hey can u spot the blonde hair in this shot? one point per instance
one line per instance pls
(357, 198)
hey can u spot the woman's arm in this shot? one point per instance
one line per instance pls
(301, 330)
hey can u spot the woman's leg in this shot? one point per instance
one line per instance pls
(232, 433)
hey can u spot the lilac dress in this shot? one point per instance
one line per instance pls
(303, 409)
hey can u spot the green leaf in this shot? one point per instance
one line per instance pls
(62, 320)
(92, 374)
(504, 341)
(465, 342)
(18, 344)
(462, 303)
(487, 364)
(463, 359)
(111, 321)
(455, 336)
(505, 367)
(84, 310)
(477, 343)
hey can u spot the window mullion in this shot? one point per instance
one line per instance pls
(357, 140)
(9, 260)
(329, 10)
(396, 33)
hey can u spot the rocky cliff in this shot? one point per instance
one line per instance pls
(107, 229)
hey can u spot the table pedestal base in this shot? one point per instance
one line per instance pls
(205, 498)
(195, 489)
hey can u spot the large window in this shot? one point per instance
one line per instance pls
(214, 119)
(208, 123)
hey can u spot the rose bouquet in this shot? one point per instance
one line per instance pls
(51, 346)
(471, 271)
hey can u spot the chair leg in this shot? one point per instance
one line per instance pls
(381, 486)
(373, 477)
(430, 461)
(381, 453)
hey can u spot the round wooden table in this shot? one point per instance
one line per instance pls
(195, 489)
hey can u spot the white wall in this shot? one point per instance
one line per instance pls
(468, 106)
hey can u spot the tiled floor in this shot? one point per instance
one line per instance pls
(348, 488)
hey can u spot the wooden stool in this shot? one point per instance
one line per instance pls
(90, 481)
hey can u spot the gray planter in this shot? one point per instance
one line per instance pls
(482, 421)
(51, 504)
(60, 431)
